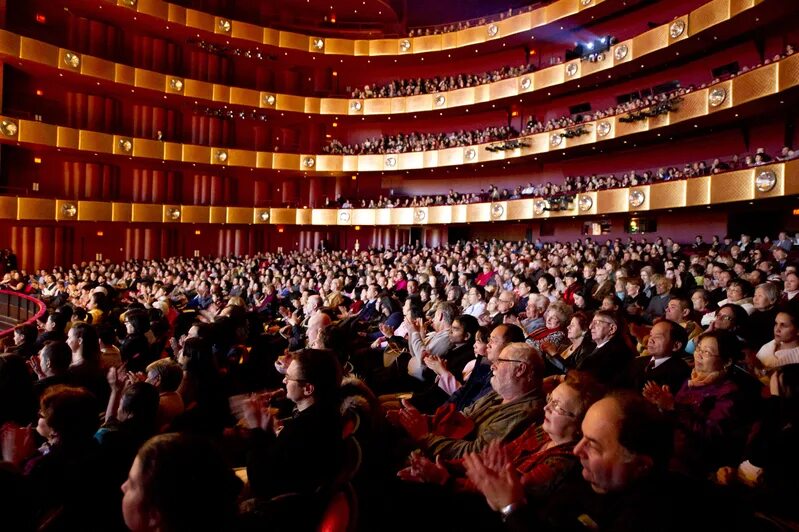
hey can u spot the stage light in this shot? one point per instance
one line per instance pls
(590, 46)
(41, 19)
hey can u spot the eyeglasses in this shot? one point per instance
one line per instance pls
(510, 360)
(554, 406)
(705, 353)
(602, 322)
(724, 317)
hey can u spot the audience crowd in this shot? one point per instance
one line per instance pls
(539, 384)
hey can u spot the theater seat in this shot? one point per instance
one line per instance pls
(341, 512)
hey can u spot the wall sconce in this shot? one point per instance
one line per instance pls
(72, 60)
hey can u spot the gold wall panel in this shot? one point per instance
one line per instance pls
(467, 96)
(738, 6)
(196, 154)
(200, 20)
(66, 137)
(283, 216)
(383, 216)
(122, 212)
(240, 215)
(218, 215)
(221, 93)
(693, 105)
(37, 132)
(8, 208)
(245, 158)
(147, 79)
(520, 209)
(405, 216)
(371, 163)
(651, 41)
(420, 103)
(94, 141)
(289, 102)
(157, 8)
(788, 70)
(95, 211)
(312, 105)
(755, 84)
(478, 212)
(732, 186)
(193, 88)
(363, 216)
(265, 159)
(613, 200)
(35, 209)
(708, 15)
(271, 37)
(474, 35)
(195, 214)
(441, 214)
(38, 51)
(9, 43)
(338, 106)
(154, 149)
(560, 10)
(697, 191)
(667, 195)
(630, 128)
(548, 76)
(329, 163)
(124, 74)
(143, 212)
(293, 40)
(590, 67)
(503, 89)
(172, 151)
(448, 157)
(98, 68)
(779, 187)
(328, 217)
(459, 214)
(249, 32)
(303, 216)
(341, 46)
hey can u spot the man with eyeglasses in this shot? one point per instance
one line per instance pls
(610, 361)
(517, 400)
(505, 303)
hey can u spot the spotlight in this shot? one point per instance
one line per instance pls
(590, 46)
(603, 40)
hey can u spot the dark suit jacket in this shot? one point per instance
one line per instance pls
(610, 364)
(673, 373)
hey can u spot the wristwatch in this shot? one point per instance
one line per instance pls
(506, 511)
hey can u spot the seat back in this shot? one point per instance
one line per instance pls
(341, 512)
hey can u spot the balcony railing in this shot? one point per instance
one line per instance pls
(16, 309)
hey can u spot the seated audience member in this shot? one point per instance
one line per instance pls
(624, 452)
(680, 310)
(86, 370)
(515, 403)
(657, 304)
(791, 287)
(759, 329)
(135, 349)
(768, 475)
(664, 365)
(301, 453)
(71, 487)
(612, 357)
(556, 320)
(534, 313)
(479, 382)
(166, 375)
(54, 330)
(784, 347)
(167, 491)
(110, 356)
(51, 366)
(739, 292)
(710, 409)
(580, 344)
(24, 340)
(207, 411)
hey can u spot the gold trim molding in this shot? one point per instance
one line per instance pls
(659, 38)
(736, 186)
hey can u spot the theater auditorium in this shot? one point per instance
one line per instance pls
(390, 265)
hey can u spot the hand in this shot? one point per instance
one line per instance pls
(549, 348)
(436, 364)
(35, 363)
(343, 313)
(117, 379)
(660, 396)
(726, 476)
(422, 469)
(413, 421)
(500, 488)
(511, 320)
(257, 414)
(495, 456)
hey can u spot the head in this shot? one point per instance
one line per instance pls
(68, 415)
(557, 315)
(700, 300)
(481, 340)
(501, 336)
(603, 326)
(786, 326)
(83, 339)
(313, 376)
(716, 351)
(666, 338)
(139, 405)
(463, 330)
(625, 439)
(578, 326)
(56, 357)
(167, 492)
(505, 301)
(738, 289)
(678, 309)
(137, 322)
(730, 317)
(567, 404)
(165, 374)
(25, 333)
(766, 296)
(518, 370)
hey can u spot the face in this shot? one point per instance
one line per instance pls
(18, 338)
(296, 388)
(504, 372)
(601, 329)
(561, 413)
(504, 303)
(784, 329)
(456, 333)
(72, 340)
(542, 285)
(706, 356)
(607, 465)
(791, 282)
(480, 345)
(698, 302)
(725, 319)
(674, 311)
(662, 287)
(44, 429)
(761, 300)
(134, 509)
(496, 342)
(734, 293)
(659, 343)
(552, 320)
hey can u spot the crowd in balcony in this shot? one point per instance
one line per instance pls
(415, 142)
(573, 185)
(481, 21)
(486, 370)
(414, 87)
